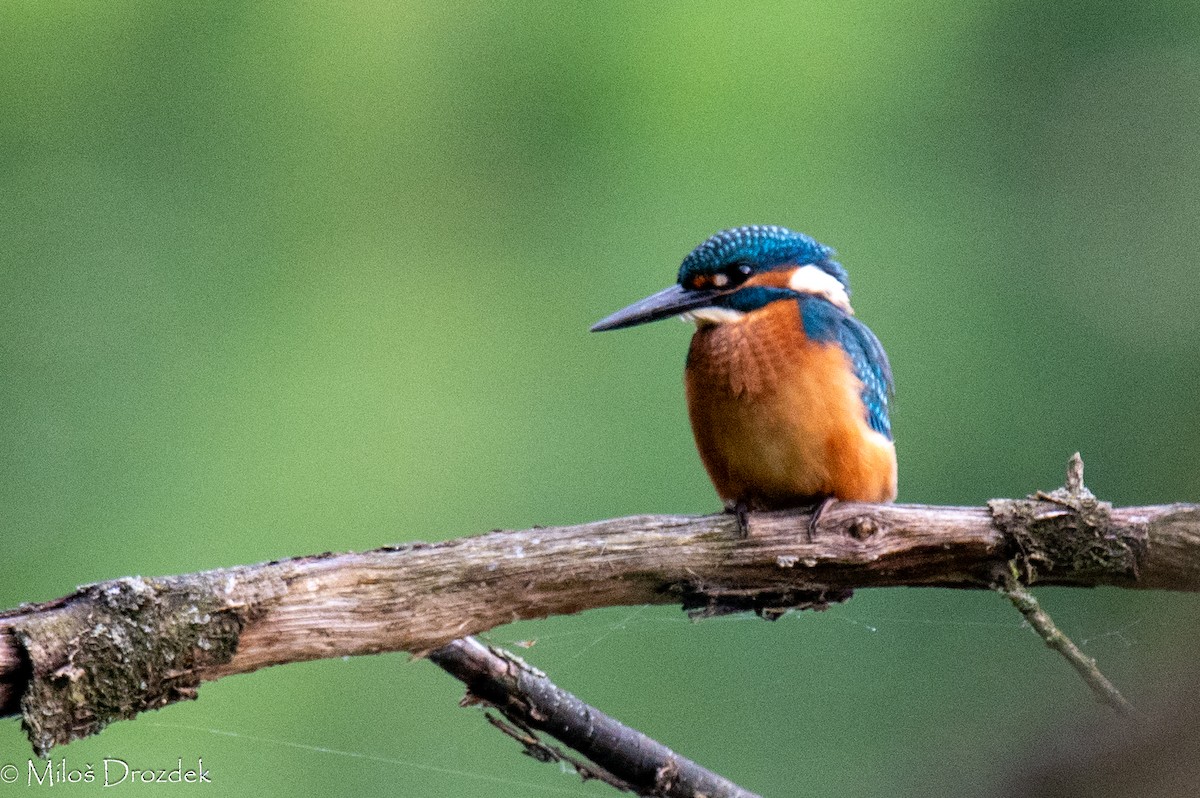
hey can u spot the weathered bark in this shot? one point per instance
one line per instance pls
(620, 756)
(111, 650)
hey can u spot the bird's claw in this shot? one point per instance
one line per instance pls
(814, 519)
(741, 511)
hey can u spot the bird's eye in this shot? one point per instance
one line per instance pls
(736, 273)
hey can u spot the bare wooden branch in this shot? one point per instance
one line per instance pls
(1083, 504)
(113, 649)
(1044, 625)
(624, 758)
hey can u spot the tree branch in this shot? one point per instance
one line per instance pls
(113, 649)
(1044, 625)
(1083, 503)
(624, 757)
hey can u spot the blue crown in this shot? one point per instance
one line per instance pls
(764, 246)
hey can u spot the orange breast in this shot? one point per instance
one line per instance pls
(777, 417)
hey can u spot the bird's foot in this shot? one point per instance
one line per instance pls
(741, 511)
(817, 511)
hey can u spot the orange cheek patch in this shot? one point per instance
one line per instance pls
(775, 279)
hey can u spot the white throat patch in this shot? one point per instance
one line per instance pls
(703, 316)
(814, 280)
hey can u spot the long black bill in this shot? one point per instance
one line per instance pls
(666, 303)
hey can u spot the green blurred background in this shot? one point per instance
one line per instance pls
(280, 278)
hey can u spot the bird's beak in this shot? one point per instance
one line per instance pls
(666, 303)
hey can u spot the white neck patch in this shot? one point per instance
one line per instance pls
(814, 280)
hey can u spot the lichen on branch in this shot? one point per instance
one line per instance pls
(111, 650)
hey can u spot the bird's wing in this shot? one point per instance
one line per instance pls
(872, 369)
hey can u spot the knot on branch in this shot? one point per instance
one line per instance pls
(115, 649)
(1068, 532)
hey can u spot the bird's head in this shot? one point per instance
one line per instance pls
(738, 271)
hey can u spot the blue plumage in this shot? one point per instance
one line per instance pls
(768, 247)
(764, 247)
(824, 321)
(754, 297)
(777, 419)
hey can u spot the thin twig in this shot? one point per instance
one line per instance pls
(1042, 623)
(624, 758)
(536, 748)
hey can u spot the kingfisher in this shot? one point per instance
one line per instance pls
(788, 393)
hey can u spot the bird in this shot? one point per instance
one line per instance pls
(788, 392)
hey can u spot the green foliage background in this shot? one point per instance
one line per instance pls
(280, 278)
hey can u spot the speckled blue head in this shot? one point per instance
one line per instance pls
(762, 247)
(717, 275)
(716, 286)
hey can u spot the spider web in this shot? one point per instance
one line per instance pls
(810, 664)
